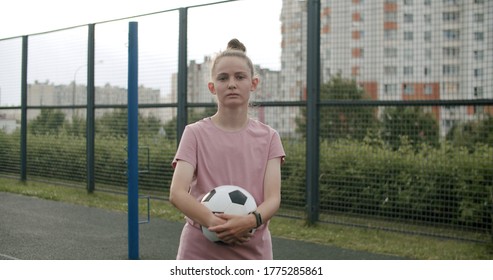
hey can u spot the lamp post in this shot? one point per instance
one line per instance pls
(75, 83)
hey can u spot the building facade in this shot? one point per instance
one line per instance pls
(397, 50)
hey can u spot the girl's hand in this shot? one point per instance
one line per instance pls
(236, 230)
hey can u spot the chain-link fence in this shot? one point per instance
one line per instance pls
(404, 111)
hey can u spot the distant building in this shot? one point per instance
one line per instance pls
(48, 94)
(8, 125)
(397, 50)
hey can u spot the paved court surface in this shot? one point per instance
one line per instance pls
(37, 229)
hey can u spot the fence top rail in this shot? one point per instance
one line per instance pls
(452, 102)
(118, 19)
(330, 103)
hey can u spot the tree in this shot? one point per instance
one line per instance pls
(149, 125)
(49, 121)
(342, 121)
(77, 127)
(193, 116)
(412, 122)
(471, 133)
(115, 123)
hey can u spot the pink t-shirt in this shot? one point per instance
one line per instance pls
(227, 158)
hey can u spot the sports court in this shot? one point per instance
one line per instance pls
(38, 229)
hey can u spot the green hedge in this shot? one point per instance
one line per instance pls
(447, 185)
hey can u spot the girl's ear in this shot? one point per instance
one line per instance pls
(255, 82)
(211, 87)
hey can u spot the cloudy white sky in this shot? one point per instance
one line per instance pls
(23, 17)
(255, 22)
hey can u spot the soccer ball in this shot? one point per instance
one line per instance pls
(227, 199)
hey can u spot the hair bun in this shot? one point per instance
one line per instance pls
(235, 44)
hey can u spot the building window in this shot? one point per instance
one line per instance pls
(451, 34)
(427, 36)
(479, 18)
(427, 2)
(390, 89)
(478, 92)
(390, 70)
(390, 34)
(408, 89)
(478, 72)
(478, 1)
(390, 52)
(428, 89)
(451, 70)
(450, 52)
(408, 2)
(427, 18)
(450, 16)
(408, 35)
(479, 55)
(408, 70)
(427, 71)
(478, 36)
(408, 18)
(451, 2)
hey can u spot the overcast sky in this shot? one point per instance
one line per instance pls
(255, 22)
(23, 17)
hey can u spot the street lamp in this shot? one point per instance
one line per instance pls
(75, 81)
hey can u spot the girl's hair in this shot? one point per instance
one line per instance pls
(235, 48)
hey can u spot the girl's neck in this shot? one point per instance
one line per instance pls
(230, 120)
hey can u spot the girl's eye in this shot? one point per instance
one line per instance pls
(240, 77)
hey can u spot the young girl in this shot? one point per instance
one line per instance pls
(228, 148)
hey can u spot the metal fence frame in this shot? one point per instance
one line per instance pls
(313, 104)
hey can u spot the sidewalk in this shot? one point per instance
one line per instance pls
(37, 229)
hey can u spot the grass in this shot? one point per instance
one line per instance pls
(370, 240)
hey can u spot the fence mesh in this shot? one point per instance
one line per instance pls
(405, 111)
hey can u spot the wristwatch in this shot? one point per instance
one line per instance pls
(258, 217)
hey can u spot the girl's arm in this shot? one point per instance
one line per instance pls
(180, 197)
(237, 228)
(272, 190)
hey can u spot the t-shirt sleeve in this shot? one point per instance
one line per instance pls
(276, 149)
(187, 149)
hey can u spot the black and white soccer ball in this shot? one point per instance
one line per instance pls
(227, 199)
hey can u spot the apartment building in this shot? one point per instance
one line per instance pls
(397, 50)
(49, 94)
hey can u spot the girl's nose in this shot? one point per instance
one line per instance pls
(231, 85)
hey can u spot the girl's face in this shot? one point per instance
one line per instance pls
(232, 81)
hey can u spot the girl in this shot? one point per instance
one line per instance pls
(228, 148)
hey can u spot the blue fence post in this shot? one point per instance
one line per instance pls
(133, 157)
